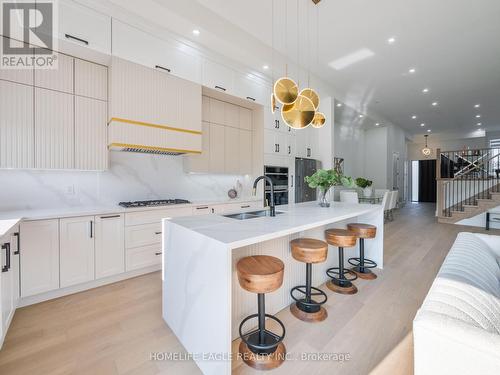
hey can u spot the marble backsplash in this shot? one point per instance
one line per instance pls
(130, 177)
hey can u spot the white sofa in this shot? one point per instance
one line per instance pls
(457, 329)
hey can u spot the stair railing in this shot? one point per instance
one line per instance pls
(465, 177)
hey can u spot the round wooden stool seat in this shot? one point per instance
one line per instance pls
(309, 250)
(260, 273)
(340, 237)
(363, 230)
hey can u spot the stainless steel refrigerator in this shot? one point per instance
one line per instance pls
(303, 168)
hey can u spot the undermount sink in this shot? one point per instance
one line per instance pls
(251, 215)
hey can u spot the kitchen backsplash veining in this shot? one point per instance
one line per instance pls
(130, 177)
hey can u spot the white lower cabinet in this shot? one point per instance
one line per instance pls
(144, 256)
(109, 245)
(9, 281)
(76, 250)
(39, 256)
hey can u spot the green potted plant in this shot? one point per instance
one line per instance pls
(324, 179)
(366, 185)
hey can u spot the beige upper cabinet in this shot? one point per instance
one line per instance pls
(231, 150)
(200, 163)
(90, 134)
(245, 118)
(217, 149)
(54, 130)
(91, 80)
(231, 115)
(245, 155)
(16, 125)
(60, 79)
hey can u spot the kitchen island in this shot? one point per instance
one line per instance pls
(203, 303)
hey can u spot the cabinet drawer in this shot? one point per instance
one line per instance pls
(142, 235)
(155, 216)
(141, 257)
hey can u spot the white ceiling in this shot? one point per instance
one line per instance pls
(454, 45)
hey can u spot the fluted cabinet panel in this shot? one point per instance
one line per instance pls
(54, 129)
(91, 151)
(91, 80)
(16, 125)
(60, 79)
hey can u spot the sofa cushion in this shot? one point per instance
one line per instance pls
(467, 287)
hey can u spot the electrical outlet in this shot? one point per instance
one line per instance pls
(70, 190)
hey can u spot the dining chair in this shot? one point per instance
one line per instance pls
(349, 196)
(393, 204)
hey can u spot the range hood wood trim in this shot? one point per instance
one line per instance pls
(166, 149)
(166, 127)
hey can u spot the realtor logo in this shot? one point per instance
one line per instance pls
(29, 28)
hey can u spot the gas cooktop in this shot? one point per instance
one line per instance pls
(153, 203)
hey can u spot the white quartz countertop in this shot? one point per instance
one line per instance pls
(10, 218)
(297, 218)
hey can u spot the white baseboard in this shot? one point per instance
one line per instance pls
(26, 301)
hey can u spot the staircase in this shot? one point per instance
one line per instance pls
(468, 183)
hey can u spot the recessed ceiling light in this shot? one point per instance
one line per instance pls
(361, 116)
(339, 105)
(428, 130)
(391, 40)
(414, 117)
(478, 116)
(196, 32)
(425, 91)
(377, 124)
(479, 124)
(412, 70)
(477, 106)
(422, 125)
(265, 67)
(434, 104)
(351, 59)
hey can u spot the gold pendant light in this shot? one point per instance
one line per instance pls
(318, 120)
(299, 114)
(286, 90)
(426, 151)
(273, 103)
(312, 95)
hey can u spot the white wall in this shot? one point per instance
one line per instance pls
(131, 177)
(375, 156)
(415, 149)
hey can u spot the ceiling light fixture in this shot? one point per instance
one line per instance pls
(426, 151)
(339, 105)
(414, 117)
(361, 116)
(391, 40)
(196, 32)
(422, 125)
(479, 124)
(377, 124)
(265, 67)
(429, 130)
(425, 91)
(434, 104)
(478, 116)
(477, 106)
(412, 70)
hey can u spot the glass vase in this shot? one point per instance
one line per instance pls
(323, 198)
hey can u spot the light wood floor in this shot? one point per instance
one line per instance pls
(113, 329)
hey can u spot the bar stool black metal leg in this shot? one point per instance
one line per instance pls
(341, 265)
(362, 255)
(261, 303)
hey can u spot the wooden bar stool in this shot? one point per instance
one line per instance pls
(362, 265)
(309, 251)
(341, 279)
(261, 348)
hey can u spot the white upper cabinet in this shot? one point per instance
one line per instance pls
(135, 45)
(54, 129)
(91, 152)
(60, 79)
(16, 125)
(15, 75)
(91, 80)
(84, 27)
(218, 76)
(250, 89)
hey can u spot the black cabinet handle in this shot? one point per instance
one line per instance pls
(291, 180)
(289, 150)
(68, 36)
(157, 232)
(162, 68)
(6, 247)
(246, 206)
(91, 229)
(18, 251)
(202, 208)
(158, 253)
(275, 147)
(276, 124)
(110, 217)
(308, 152)
(250, 98)
(220, 88)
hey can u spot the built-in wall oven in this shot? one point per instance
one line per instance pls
(279, 176)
